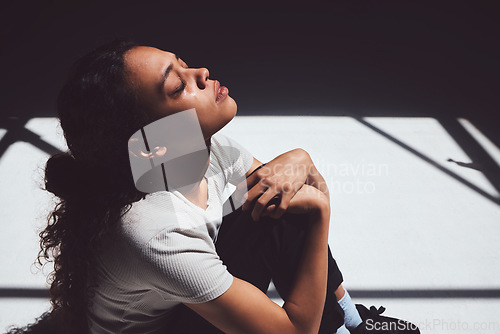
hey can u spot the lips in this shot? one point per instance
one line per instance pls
(221, 92)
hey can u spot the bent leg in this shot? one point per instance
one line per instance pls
(260, 251)
(291, 229)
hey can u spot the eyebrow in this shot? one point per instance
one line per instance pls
(165, 76)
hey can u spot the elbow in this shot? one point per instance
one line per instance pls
(303, 156)
(302, 151)
(310, 329)
(301, 323)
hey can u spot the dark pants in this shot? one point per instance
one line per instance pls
(258, 252)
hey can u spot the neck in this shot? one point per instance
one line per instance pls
(191, 182)
(195, 190)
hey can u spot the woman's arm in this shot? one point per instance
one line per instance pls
(283, 176)
(245, 309)
(315, 179)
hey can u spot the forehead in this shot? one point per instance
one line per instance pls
(147, 59)
(144, 66)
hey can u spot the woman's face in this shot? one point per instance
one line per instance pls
(166, 85)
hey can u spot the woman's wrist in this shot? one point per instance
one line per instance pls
(320, 201)
(321, 210)
(315, 179)
(308, 200)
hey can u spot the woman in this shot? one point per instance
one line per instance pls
(128, 261)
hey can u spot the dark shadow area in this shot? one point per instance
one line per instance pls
(473, 149)
(438, 293)
(470, 165)
(363, 58)
(424, 294)
(24, 293)
(17, 132)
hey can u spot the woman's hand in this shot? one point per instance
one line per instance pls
(273, 186)
(309, 200)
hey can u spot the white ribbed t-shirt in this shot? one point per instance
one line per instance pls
(163, 253)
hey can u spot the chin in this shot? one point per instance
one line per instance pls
(234, 106)
(234, 110)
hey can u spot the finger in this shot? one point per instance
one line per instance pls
(268, 210)
(282, 206)
(261, 203)
(257, 174)
(251, 196)
(254, 194)
(245, 184)
(253, 179)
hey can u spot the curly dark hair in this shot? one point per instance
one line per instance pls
(98, 111)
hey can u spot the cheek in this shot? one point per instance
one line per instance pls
(197, 100)
(183, 102)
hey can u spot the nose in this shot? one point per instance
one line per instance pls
(202, 77)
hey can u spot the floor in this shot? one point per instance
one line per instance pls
(415, 220)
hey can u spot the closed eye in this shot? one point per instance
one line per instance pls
(180, 88)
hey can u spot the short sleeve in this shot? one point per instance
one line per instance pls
(183, 266)
(234, 159)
